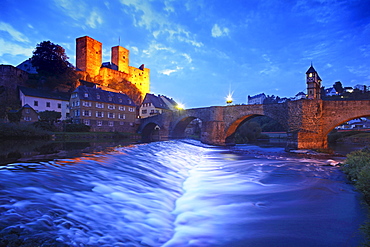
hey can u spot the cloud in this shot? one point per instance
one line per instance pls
(14, 49)
(18, 36)
(218, 31)
(170, 71)
(94, 19)
(146, 16)
(80, 11)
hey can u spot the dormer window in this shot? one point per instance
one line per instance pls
(98, 96)
(110, 98)
(86, 95)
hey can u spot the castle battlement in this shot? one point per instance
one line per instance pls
(89, 62)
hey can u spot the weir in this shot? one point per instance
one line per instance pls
(307, 122)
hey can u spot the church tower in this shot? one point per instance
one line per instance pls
(313, 83)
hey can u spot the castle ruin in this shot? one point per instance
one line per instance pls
(90, 66)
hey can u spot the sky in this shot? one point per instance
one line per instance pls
(200, 51)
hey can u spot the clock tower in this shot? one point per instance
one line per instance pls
(313, 83)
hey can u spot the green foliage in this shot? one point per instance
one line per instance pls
(44, 126)
(77, 128)
(335, 136)
(357, 167)
(21, 131)
(49, 116)
(14, 116)
(247, 132)
(127, 88)
(52, 65)
(268, 124)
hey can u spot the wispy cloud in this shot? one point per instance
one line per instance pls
(14, 49)
(80, 11)
(218, 31)
(170, 71)
(16, 35)
(146, 16)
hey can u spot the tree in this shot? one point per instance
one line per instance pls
(49, 116)
(128, 88)
(51, 63)
(338, 87)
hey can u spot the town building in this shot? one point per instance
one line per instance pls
(103, 110)
(331, 91)
(42, 100)
(90, 66)
(313, 81)
(154, 105)
(256, 99)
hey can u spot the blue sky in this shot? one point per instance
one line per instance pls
(200, 50)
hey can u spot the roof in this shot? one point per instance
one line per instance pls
(311, 70)
(90, 93)
(27, 66)
(44, 94)
(160, 101)
(257, 96)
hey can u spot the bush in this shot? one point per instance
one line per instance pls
(22, 131)
(44, 126)
(77, 128)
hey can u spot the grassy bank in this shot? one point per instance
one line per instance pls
(357, 168)
(19, 131)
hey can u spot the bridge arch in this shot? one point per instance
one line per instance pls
(332, 125)
(178, 130)
(150, 132)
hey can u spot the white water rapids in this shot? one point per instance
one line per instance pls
(178, 193)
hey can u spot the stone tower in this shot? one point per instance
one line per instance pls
(313, 83)
(120, 58)
(88, 55)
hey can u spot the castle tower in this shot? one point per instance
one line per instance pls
(313, 83)
(88, 55)
(120, 58)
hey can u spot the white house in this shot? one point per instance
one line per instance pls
(257, 99)
(42, 100)
(154, 105)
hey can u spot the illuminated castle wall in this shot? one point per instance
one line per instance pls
(89, 63)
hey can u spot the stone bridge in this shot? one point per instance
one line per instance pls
(307, 122)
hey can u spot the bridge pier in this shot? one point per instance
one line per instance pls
(213, 133)
(307, 140)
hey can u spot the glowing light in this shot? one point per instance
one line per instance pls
(180, 106)
(229, 98)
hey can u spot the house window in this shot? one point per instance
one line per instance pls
(144, 111)
(99, 105)
(111, 115)
(99, 114)
(77, 103)
(130, 109)
(86, 113)
(27, 111)
(86, 103)
(120, 100)
(77, 113)
(35, 103)
(110, 98)
(112, 107)
(110, 123)
(87, 121)
(99, 123)
(121, 116)
(74, 95)
(27, 118)
(122, 108)
(86, 95)
(47, 104)
(59, 105)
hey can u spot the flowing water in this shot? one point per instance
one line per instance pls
(179, 193)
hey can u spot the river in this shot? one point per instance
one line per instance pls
(179, 193)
